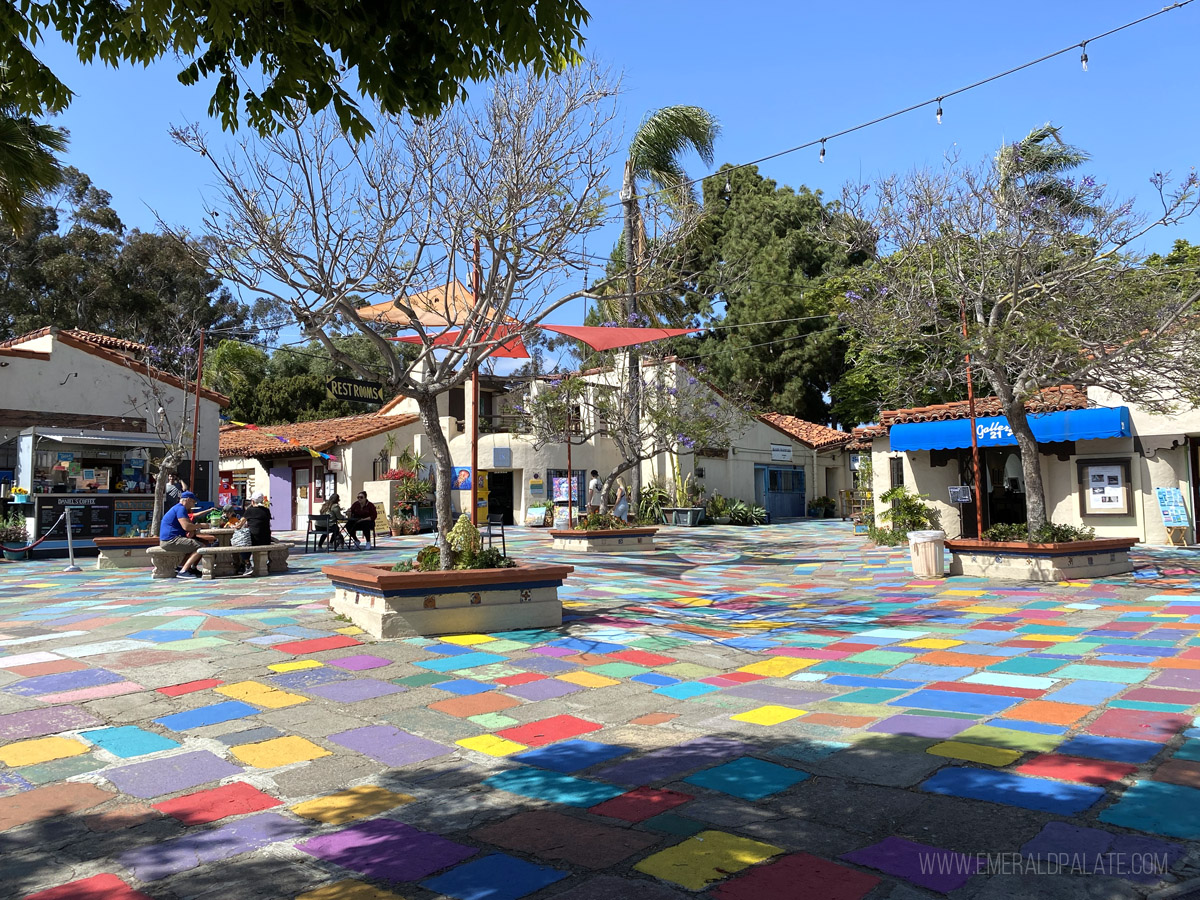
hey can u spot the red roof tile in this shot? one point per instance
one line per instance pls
(817, 436)
(321, 434)
(1053, 399)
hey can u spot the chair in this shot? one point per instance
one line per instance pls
(493, 529)
(322, 527)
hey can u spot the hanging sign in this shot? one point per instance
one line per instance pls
(338, 388)
(781, 452)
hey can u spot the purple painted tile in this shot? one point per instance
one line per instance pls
(1133, 853)
(308, 678)
(37, 722)
(12, 783)
(389, 745)
(1178, 678)
(928, 867)
(166, 776)
(387, 850)
(659, 765)
(1059, 837)
(553, 651)
(922, 726)
(769, 693)
(360, 662)
(546, 689)
(159, 860)
(358, 689)
(548, 666)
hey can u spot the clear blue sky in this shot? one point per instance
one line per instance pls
(778, 74)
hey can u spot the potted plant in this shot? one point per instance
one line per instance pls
(689, 504)
(484, 591)
(601, 532)
(821, 507)
(14, 536)
(1052, 553)
(717, 509)
(20, 495)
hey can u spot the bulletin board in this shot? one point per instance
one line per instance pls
(1104, 488)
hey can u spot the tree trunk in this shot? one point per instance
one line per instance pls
(634, 376)
(1031, 467)
(428, 406)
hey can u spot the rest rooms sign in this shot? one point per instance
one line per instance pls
(355, 391)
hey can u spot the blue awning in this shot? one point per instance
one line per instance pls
(993, 431)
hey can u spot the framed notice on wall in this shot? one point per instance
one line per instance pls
(1104, 488)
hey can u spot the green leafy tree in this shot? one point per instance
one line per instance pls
(408, 56)
(1041, 263)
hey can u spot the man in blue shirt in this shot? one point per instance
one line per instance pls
(180, 534)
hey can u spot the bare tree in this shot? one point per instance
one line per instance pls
(1040, 269)
(320, 226)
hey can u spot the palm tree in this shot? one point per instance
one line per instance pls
(1032, 176)
(655, 158)
(28, 164)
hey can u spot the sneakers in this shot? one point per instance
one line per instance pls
(187, 573)
(367, 545)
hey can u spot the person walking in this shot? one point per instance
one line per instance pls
(179, 534)
(361, 517)
(595, 493)
(621, 509)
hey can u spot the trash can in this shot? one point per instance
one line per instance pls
(928, 549)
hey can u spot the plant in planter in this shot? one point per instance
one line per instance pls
(743, 513)
(1047, 533)
(600, 522)
(905, 512)
(717, 509)
(821, 507)
(1055, 553)
(14, 536)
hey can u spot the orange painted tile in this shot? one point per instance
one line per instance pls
(950, 658)
(1047, 711)
(838, 721)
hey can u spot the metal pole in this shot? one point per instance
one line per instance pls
(962, 310)
(475, 286)
(196, 411)
(570, 473)
(70, 543)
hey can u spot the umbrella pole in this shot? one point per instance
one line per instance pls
(570, 472)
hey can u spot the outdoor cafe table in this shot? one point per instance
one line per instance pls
(224, 536)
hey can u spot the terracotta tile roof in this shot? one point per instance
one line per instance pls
(1053, 399)
(90, 337)
(321, 434)
(816, 436)
(864, 435)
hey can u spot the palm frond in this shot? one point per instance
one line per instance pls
(28, 164)
(664, 136)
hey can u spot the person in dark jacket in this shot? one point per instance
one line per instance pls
(361, 517)
(258, 519)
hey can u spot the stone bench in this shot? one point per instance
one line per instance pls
(123, 552)
(223, 562)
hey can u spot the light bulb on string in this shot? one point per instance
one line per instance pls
(727, 193)
(821, 158)
(939, 110)
(1083, 56)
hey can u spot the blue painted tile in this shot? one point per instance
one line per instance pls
(1157, 807)
(655, 679)
(1086, 693)
(1113, 749)
(956, 701)
(869, 695)
(552, 786)
(462, 661)
(748, 778)
(1013, 790)
(924, 673)
(856, 681)
(128, 741)
(161, 635)
(207, 715)
(464, 687)
(686, 690)
(495, 877)
(571, 756)
(585, 646)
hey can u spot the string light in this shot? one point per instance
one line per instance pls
(821, 158)
(727, 194)
(939, 110)
(1083, 56)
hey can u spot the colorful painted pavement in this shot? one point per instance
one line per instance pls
(750, 713)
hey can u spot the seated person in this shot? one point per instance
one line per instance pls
(180, 534)
(258, 522)
(361, 517)
(332, 508)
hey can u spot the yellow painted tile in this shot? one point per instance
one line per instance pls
(867, 578)
(993, 610)
(492, 745)
(769, 715)
(350, 629)
(260, 695)
(356, 803)
(989, 756)
(348, 890)
(931, 643)
(1049, 638)
(962, 592)
(708, 857)
(295, 665)
(40, 750)
(278, 752)
(466, 640)
(587, 679)
(778, 666)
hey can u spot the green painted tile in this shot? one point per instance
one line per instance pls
(1104, 673)
(618, 670)
(1149, 707)
(940, 713)
(869, 695)
(687, 671)
(881, 657)
(60, 769)
(1025, 666)
(493, 721)
(1010, 739)
(422, 680)
(202, 643)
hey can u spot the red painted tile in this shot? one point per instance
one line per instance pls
(190, 687)
(995, 690)
(316, 645)
(1075, 768)
(741, 677)
(798, 875)
(1140, 725)
(642, 658)
(207, 806)
(547, 731)
(523, 678)
(48, 668)
(98, 887)
(1021, 643)
(851, 647)
(1158, 695)
(640, 804)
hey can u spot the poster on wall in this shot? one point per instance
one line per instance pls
(461, 478)
(1104, 490)
(560, 490)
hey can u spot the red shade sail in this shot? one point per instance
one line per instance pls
(600, 338)
(513, 348)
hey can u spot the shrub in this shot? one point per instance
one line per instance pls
(742, 513)
(651, 500)
(13, 530)
(464, 537)
(821, 506)
(1049, 533)
(599, 522)
(717, 507)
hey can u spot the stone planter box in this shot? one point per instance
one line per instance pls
(615, 540)
(1021, 561)
(123, 552)
(390, 604)
(689, 516)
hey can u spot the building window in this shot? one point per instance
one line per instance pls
(896, 468)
